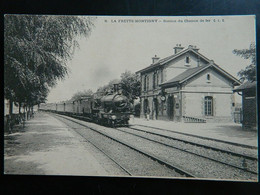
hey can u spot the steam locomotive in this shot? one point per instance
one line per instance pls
(112, 109)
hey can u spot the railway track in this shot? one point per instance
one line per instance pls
(101, 150)
(182, 173)
(159, 136)
(249, 157)
(107, 155)
(201, 137)
(180, 169)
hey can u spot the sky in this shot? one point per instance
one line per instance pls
(121, 43)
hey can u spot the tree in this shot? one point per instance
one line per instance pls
(249, 73)
(109, 87)
(36, 52)
(80, 94)
(131, 85)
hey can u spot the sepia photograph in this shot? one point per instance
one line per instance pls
(131, 96)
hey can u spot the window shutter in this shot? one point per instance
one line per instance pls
(144, 83)
(156, 77)
(153, 82)
(141, 106)
(214, 106)
(202, 105)
(147, 83)
(162, 76)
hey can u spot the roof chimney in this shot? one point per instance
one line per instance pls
(193, 47)
(211, 62)
(177, 48)
(155, 59)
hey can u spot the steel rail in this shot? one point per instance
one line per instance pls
(207, 138)
(111, 158)
(174, 167)
(201, 145)
(212, 159)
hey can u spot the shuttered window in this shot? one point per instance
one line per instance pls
(157, 78)
(208, 106)
(147, 87)
(154, 80)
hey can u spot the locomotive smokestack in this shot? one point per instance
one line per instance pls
(117, 88)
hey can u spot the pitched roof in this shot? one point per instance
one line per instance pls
(194, 71)
(184, 75)
(246, 85)
(163, 61)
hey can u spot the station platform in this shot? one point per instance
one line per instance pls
(231, 132)
(46, 146)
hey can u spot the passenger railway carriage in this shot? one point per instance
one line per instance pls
(111, 109)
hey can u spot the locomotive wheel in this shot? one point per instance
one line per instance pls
(106, 122)
(113, 124)
(109, 123)
(127, 123)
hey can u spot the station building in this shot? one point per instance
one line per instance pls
(187, 86)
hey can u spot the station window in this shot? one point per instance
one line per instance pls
(208, 106)
(161, 76)
(208, 77)
(145, 78)
(147, 85)
(154, 80)
(157, 78)
(187, 60)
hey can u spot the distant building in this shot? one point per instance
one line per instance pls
(187, 86)
(249, 106)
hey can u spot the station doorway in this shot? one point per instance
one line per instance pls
(146, 104)
(156, 108)
(170, 106)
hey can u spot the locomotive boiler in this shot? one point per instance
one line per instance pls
(115, 109)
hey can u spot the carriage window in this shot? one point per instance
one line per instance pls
(208, 106)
